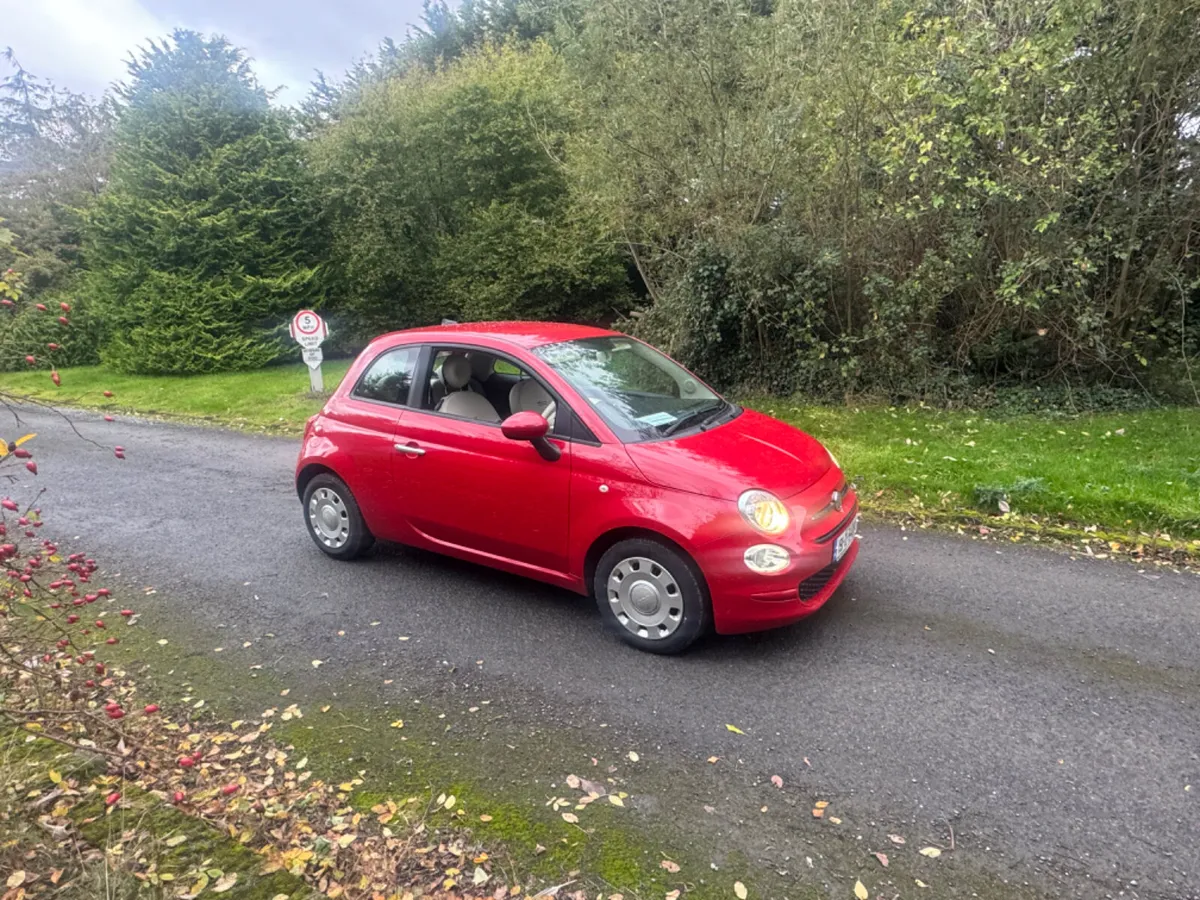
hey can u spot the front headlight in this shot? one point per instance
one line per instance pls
(763, 511)
(766, 559)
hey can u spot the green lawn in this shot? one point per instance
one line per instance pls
(1124, 472)
(274, 399)
(1128, 471)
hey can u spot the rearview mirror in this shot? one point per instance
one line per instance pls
(529, 426)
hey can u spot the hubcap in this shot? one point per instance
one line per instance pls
(645, 598)
(328, 517)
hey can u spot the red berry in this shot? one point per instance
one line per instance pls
(151, 708)
(127, 613)
(186, 762)
(111, 705)
(229, 789)
(56, 379)
(63, 320)
(89, 683)
(41, 306)
(112, 798)
(99, 623)
(109, 419)
(112, 641)
(103, 592)
(66, 307)
(71, 620)
(31, 360)
(117, 714)
(119, 453)
(178, 797)
(52, 346)
(22, 453)
(31, 466)
(108, 393)
(8, 504)
(99, 668)
(6, 302)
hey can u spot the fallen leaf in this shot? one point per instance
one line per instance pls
(670, 865)
(16, 879)
(485, 818)
(55, 876)
(920, 883)
(713, 759)
(896, 839)
(821, 804)
(735, 729)
(882, 857)
(818, 813)
(225, 882)
(740, 890)
(615, 800)
(55, 777)
(316, 664)
(860, 890)
(573, 782)
(931, 852)
(633, 757)
(399, 723)
(480, 876)
(835, 820)
(570, 818)
(176, 840)
(450, 801)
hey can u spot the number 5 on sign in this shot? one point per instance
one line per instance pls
(309, 330)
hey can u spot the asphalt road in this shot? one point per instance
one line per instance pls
(1048, 708)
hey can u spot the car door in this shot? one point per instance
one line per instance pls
(470, 491)
(363, 425)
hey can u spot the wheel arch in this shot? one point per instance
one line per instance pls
(613, 536)
(308, 473)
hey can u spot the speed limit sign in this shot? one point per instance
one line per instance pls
(309, 330)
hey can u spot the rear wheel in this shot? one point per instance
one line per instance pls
(333, 518)
(651, 596)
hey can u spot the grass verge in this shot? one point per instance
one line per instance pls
(1120, 481)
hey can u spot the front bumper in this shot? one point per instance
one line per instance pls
(745, 601)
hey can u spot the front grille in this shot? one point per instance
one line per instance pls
(814, 584)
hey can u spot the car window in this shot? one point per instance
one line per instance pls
(389, 378)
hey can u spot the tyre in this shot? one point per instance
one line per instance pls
(333, 519)
(651, 596)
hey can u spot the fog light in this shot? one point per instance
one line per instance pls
(766, 559)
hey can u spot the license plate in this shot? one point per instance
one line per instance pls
(844, 540)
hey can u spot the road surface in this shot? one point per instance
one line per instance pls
(1047, 708)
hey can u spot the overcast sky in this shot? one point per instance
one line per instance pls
(81, 45)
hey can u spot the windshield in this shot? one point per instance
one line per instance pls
(639, 393)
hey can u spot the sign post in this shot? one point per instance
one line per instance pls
(309, 330)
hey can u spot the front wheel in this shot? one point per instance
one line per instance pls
(651, 596)
(333, 518)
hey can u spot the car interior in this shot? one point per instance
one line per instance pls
(474, 384)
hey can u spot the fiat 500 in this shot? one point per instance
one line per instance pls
(583, 458)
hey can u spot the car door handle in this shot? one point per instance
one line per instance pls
(410, 450)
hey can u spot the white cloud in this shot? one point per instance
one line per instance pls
(82, 45)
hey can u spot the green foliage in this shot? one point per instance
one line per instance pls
(207, 237)
(448, 197)
(908, 199)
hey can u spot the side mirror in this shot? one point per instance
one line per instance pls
(529, 426)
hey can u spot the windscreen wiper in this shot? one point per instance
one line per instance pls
(683, 421)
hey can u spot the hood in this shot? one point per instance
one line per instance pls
(751, 451)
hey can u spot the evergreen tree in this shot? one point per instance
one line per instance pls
(206, 239)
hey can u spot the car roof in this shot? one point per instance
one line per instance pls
(522, 334)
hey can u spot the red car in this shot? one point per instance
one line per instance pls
(587, 459)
